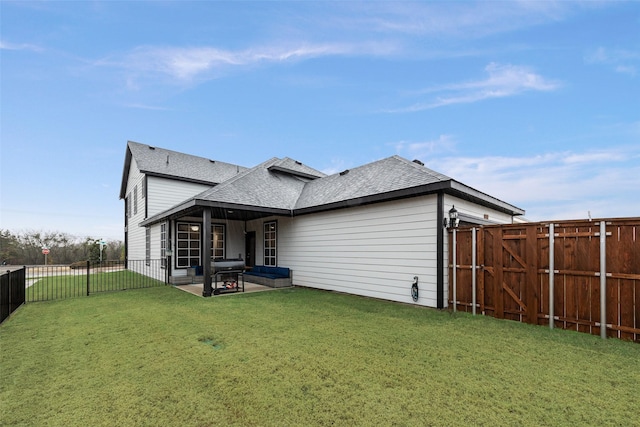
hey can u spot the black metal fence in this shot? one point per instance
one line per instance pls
(12, 291)
(51, 282)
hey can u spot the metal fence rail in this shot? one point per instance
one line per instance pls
(12, 291)
(52, 282)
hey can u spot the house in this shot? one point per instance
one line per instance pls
(371, 230)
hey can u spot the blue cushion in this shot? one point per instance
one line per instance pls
(269, 272)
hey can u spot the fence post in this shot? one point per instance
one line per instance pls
(473, 270)
(10, 300)
(551, 275)
(88, 274)
(455, 271)
(603, 279)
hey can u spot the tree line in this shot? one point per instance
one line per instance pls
(25, 248)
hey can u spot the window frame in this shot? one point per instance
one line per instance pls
(147, 243)
(212, 251)
(193, 236)
(163, 245)
(270, 243)
(135, 200)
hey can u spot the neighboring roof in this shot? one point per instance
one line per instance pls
(155, 161)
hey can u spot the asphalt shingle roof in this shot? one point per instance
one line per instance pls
(296, 168)
(163, 162)
(383, 176)
(258, 187)
(285, 184)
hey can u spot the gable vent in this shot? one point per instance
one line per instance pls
(344, 172)
(418, 162)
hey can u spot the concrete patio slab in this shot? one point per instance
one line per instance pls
(196, 289)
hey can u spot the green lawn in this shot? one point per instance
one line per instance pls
(162, 357)
(75, 284)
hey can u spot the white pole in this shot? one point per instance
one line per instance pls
(603, 280)
(551, 274)
(455, 282)
(473, 269)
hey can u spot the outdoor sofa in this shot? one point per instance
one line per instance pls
(275, 277)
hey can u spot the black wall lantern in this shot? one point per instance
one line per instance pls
(453, 218)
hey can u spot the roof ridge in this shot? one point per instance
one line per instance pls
(170, 151)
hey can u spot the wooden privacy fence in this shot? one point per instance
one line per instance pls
(581, 274)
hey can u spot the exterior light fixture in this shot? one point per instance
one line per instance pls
(453, 218)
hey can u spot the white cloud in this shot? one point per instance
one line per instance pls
(337, 165)
(555, 185)
(5, 45)
(620, 60)
(462, 19)
(502, 81)
(186, 64)
(147, 107)
(444, 143)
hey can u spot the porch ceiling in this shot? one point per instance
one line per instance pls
(218, 211)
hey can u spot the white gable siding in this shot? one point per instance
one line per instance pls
(475, 210)
(136, 234)
(164, 193)
(373, 250)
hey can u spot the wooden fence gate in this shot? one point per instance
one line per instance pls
(581, 274)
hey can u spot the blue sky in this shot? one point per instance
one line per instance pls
(536, 103)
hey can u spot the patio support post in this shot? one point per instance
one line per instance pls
(206, 252)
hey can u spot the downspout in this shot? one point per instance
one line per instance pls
(126, 236)
(440, 252)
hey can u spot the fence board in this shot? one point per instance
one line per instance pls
(513, 281)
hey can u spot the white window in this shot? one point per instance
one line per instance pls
(270, 243)
(147, 242)
(135, 200)
(188, 242)
(163, 244)
(217, 241)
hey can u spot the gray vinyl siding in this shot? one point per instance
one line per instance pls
(373, 250)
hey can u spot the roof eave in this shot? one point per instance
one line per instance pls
(451, 187)
(178, 178)
(125, 173)
(197, 204)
